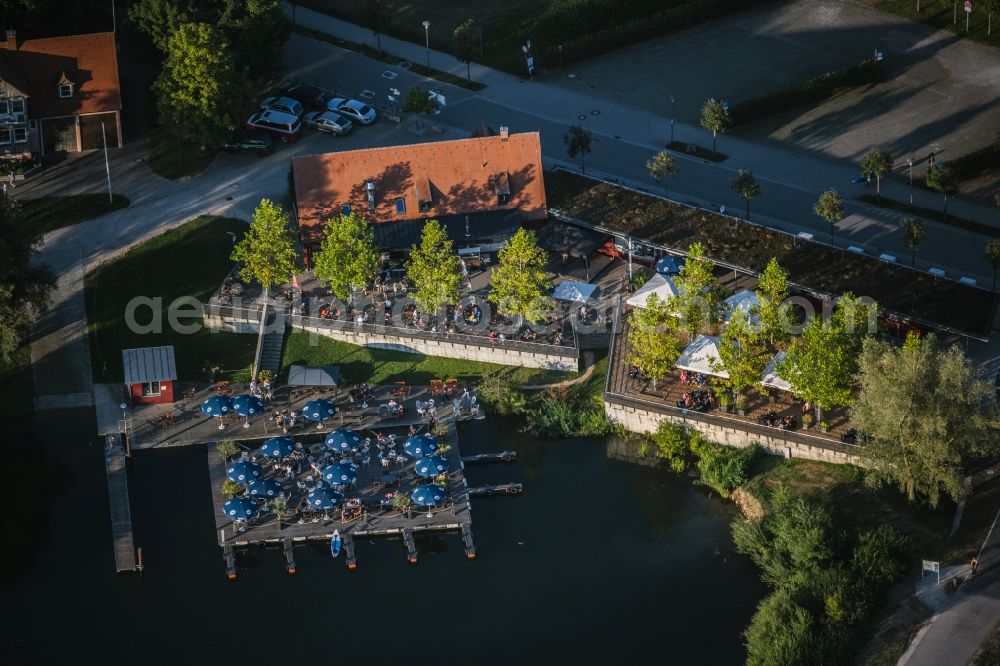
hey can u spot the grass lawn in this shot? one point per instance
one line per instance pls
(816, 267)
(941, 15)
(191, 260)
(381, 366)
(173, 159)
(50, 213)
(936, 214)
(561, 31)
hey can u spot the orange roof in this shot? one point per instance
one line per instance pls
(89, 62)
(461, 176)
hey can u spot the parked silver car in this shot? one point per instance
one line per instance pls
(351, 108)
(283, 104)
(327, 121)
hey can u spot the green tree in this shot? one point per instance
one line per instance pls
(662, 167)
(927, 408)
(577, 141)
(418, 101)
(772, 291)
(376, 15)
(267, 250)
(435, 269)
(279, 508)
(875, 164)
(715, 118)
(913, 233)
(520, 286)
(698, 303)
(257, 31)
(464, 43)
(743, 354)
(822, 363)
(747, 187)
(25, 285)
(160, 19)
(830, 208)
(992, 253)
(653, 343)
(348, 257)
(200, 93)
(942, 180)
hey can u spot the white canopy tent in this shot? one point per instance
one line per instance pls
(742, 301)
(771, 378)
(579, 292)
(659, 284)
(698, 355)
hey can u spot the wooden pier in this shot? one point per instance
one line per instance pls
(411, 545)
(121, 514)
(502, 489)
(286, 544)
(470, 547)
(502, 456)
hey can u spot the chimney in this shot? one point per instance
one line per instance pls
(370, 186)
(11, 39)
(504, 133)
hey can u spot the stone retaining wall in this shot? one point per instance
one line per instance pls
(644, 422)
(449, 349)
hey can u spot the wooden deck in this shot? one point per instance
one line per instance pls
(369, 488)
(121, 514)
(182, 422)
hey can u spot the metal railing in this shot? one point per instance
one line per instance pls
(545, 348)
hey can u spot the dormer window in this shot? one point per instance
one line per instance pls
(424, 200)
(65, 90)
(501, 185)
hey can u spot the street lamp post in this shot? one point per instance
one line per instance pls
(427, 40)
(909, 163)
(125, 447)
(673, 116)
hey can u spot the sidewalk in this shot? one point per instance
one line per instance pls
(964, 619)
(618, 122)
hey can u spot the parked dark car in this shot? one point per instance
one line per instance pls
(254, 143)
(305, 93)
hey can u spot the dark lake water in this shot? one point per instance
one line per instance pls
(599, 560)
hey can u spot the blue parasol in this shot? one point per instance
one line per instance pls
(243, 472)
(669, 265)
(277, 447)
(247, 405)
(342, 440)
(431, 466)
(429, 494)
(318, 410)
(340, 474)
(419, 446)
(324, 498)
(240, 508)
(264, 488)
(217, 406)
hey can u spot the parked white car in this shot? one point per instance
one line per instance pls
(353, 109)
(328, 121)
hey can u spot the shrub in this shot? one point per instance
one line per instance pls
(226, 449)
(673, 443)
(879, 555)
(780, 633)
(639, 278)
(723, 468)
(231, 488)
(502, 396)
(565, 412)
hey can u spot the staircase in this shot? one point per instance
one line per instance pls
(269, 357)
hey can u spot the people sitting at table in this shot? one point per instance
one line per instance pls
(528, 335)
(492, 337)
(684, 377)
(787, 423)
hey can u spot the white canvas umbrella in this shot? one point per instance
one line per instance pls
(699, 355)
(659, 284)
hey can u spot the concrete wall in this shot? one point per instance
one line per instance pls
(444, 347)
(645, 422)
(230, 324)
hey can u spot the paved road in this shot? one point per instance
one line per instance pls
(625, 137)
